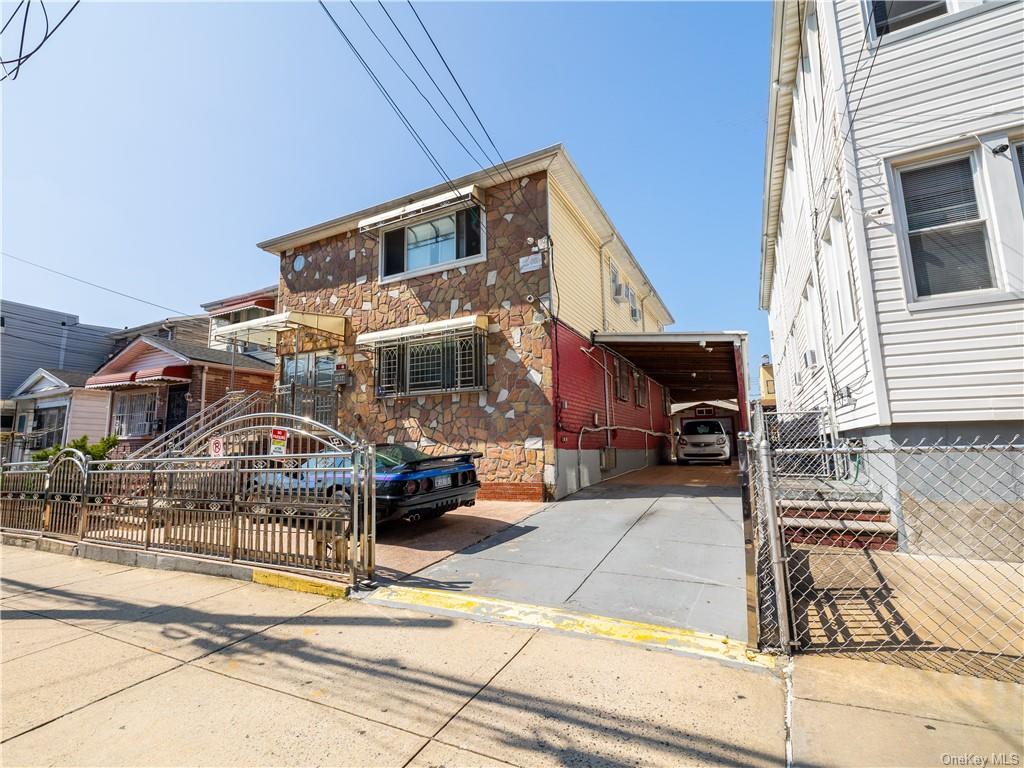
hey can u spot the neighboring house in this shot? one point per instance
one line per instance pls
(190, 329)
(767, 380)
(34, 337)
(460, 318)
(891, 261)
(53, 407)
(155, 384)
(725, 412)
(244, 307)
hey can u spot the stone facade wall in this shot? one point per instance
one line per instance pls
(511, 421)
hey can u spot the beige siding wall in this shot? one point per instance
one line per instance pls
(577, 266)
(89, 415)
(584, 289)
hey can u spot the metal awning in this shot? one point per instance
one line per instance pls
(168, 373)
(264, 330)
(121, 379)
(421, 207)
(421, 330)
(693, 366)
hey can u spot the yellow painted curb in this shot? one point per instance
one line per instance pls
(298, 583)
(689, 640)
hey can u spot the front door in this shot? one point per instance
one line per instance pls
(177, 406)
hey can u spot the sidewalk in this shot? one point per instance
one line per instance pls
(107, 665)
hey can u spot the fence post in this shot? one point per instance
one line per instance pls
(83, 507)
(353, 528)
(776, 543)
(47, 504)
(233, 516)
(149, 508)
(371, 524)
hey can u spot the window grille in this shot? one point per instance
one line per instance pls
(134, 414)
(449, 362)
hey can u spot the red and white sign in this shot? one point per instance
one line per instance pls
(217, 447)
(278, 442)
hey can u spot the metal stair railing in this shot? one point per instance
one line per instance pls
(233, 404)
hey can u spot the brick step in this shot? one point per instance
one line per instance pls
(840, 533)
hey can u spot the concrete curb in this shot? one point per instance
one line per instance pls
(137, 558)
(559, 619)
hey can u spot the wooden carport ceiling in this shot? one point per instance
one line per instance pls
(679, 362)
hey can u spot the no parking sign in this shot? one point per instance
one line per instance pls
(217, 447)
(278, 441)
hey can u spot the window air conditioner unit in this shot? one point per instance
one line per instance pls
(810, 359)
(797, 378)
(619, 292)
(607, 458)
(634, 313)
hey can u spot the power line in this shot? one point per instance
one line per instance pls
(459, 86)
(413, 82)
(94, 285)
(384, 92)
(438, 87)
(23, 57)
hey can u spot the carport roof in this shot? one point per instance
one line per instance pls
(692, 365)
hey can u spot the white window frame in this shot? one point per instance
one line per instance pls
(1018, 166)
(432, 268)
(839, 277)
(914, 301)
(955, 10)
(123, 429)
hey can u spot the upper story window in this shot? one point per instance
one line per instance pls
(1018, 151)
(946, 230)
(891, 15)
(426, 245)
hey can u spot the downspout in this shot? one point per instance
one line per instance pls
(202, 390)
(604, 295)
(607, 402)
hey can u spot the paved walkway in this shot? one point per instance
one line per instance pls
(661, 546)
(114, 666)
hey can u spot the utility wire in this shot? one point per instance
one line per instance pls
(94, 285)
(49, 33)
(413, 83)
(384, 92)
(459, 86)
(444, 96)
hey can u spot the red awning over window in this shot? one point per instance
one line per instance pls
(166, 373)
(111, 379)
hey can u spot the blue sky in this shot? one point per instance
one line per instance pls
(148, 147)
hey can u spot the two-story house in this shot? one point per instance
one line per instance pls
(892, 260)
(460, 318)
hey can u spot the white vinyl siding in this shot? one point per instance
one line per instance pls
(951, 357)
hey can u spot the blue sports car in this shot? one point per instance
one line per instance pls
(410, 483)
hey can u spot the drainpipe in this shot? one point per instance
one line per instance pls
(202, 390)
(604, 294)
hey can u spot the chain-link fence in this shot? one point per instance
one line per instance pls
(902, 553)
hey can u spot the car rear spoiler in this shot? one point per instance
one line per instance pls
(418, 463)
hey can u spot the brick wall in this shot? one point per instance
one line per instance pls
(341, 275)
(218, 382)
(580, 388)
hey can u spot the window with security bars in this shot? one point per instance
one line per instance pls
(446, 363)
(946, 231)
(134, 413)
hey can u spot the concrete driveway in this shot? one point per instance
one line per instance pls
(661, 546)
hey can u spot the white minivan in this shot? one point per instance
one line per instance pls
(703, 440)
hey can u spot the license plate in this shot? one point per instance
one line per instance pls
(443, 481)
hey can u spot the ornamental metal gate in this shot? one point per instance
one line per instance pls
(265, 489)
(910, 554)
(65, 493)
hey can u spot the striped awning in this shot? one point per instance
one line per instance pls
(421, 330)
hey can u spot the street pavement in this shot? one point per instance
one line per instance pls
(107, 665)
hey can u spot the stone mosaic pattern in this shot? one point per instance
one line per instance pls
(511, 422)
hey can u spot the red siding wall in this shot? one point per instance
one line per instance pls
(580, 393)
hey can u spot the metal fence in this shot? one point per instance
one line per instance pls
(903, 553)
(312, 510)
